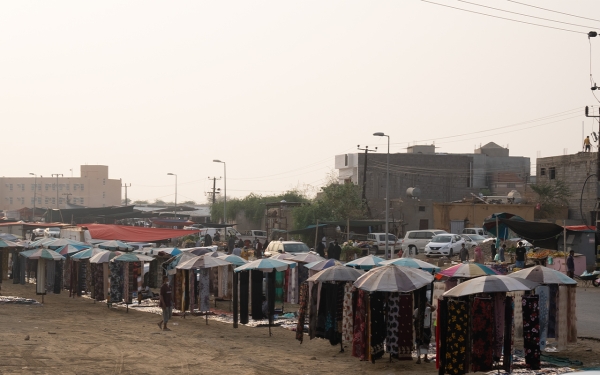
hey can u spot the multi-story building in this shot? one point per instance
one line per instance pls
(92, 189)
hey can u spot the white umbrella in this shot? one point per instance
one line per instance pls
(202, 261)
(284, 256)
(104, 256)
(490, 284)
(544, 275)
(267, 265)
(393, 278)
(366, 262)
(337, 273)
(309, 257)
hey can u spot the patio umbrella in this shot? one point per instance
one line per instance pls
(284, 256)
(266, 265)
(104, 256)
(198, 250)
(309, 257)
(412, 263)
(6, 244)
(41, 241)
(366, 262)
(467, 270)
(203, 261)
(234, 259)
(44, 254)
(155, 250)
(86, 253)
(337, 273)
(490, 284)
(490, 223)
(544, 275)
(132, 257)
(70, 249)
(115, 245)
(323, 264)
(393, 278)
(60, 242)
(8, 236)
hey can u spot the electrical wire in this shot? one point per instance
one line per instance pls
(526, 15)
(504, 18)
(554, 11)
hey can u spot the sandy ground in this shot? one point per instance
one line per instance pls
(78, 336)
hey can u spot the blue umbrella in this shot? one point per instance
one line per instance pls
(234, 259)
(60, 242)
(412, 263)
(41, 241)
(70, 249)
(155, 250)
(42, 254)
(323, 264)
(267, 265)
(365, 263)
(87, 254)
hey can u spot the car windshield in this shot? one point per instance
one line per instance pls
(296, 248)
(440, 238)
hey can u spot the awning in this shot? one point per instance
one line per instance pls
(308, 229)
(533, 230)
(134, 234)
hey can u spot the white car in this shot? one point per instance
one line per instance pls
(472, 240)
(444, 244)
(292, 247)
(52, 232)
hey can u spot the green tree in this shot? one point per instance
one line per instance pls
(159, 202)
(253, 205)
(551, 196)
(140, 202)
(188, 203)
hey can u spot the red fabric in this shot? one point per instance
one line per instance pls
(580, 227)
(134, 234)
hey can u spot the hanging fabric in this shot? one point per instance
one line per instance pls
(326, 312)
(106, 281)
(244, 279)
(15, 267)
(116, 282)
(88, 276)
(313, 313)
(572, 314)
(552, 312)
(279, 281)
(347, 321)
(518, 314)
(302, 312)
(58, 271)
(192, 289)
(543, 291)
(293, 285)
(204, 292)
(50, 274)
(378, 325)
(97, 272)
(126, 283)
(420, 298)
(482, 331)
(405, 326)
(359, 339)
(22, 269)
(562, 317)
(456, 337)
(440, 335)
(257, 294)
(509, 329)
(391, 341)
(499, 310)
(40, 287)
(531, 331)
(286, 286)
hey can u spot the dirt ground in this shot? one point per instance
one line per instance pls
(78, 336)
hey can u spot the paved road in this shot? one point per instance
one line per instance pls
(588, 308)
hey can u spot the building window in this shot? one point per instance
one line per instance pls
(53, 187)
(103, 195)
(75, 187)
(32, 187)
(552, 173)
(422, 208)
(542, 171)
(81, 187)
(104, 181)
(39, 200)
(32, 200)
(511, 185)
(10, 200)
(11, 188)
(81, 200)
(67, 186)
(53, 200)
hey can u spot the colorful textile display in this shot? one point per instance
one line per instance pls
(192, 288)
(256, 298)
(126, 283)
(116, 281)
(421, 337)
(531, 331)
(204, 292)
(279, 281)
(482, 334)
(405, 326)
(509, 310)
(499, 310)
(518, 314)
(543, 291)
(347, 319)
(98, 281)
(327, 327)
(456, 337)
(391, 341)
(359, 339)
(378, 325)
(40, 287)
(302, 312)
(313, 311)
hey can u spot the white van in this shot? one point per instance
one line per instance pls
(479, 231)
(212, 231)
(377, 242)
(415, 240)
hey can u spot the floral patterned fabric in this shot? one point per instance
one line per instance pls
(543, 292)
(359, 339)
(204, 292)
(302, 312)
(192, 287)
(499, 300)
(456, 337)
(482, 334)
(391, 341)
(347, 321)
(531, 331)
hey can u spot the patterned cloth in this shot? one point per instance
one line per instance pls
(347, 321)
(544, 292)
(378, 325)
(482, 331)
(391, 341)
(204, 291)
(302, 312)
(313, 314)
(572, 314)
(192, 287)
(531, 331)
(279, 281)
(116, 281)
(359, 339)
(405, 326)
(552, 313)
(456, 337)
(509, 330)
(499, 300)
(126, 283)
(97, 274)
(562, 318)
(58, 276)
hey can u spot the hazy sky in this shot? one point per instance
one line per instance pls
(277, 88)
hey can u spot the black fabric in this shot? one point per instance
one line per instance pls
(327, 321)
(322, 312)
(443, 324)
(58, 276)
(270, 295)
(321, 249)
(257, 294)
(312, 312)
(420, 296)
(552, 318)
(378, 324)
(244, 278)
(533, 230)
(1, 267)
(22, 269)
(302, 273)
(16, 274)
(508, 337)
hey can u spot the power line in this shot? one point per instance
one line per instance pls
(504, 18)
(526, 15)
(554, 11)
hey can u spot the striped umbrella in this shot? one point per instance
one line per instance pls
(132, 257)
(266, 265)
(467, 271)
(365, 263)
(86, 254)
(307, 257)
(337, 273)
(393, 279)
(412, 263)
(544, 275)
(70, 249)
(115, 245)
(105, 256)
(60, 242)
(43, 254)
(203, 261)
(234, 259)
(8, 244)
(490, 284)
(323, 264)
(284, 256)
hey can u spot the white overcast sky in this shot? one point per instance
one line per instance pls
(278, 88)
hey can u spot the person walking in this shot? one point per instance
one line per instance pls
(425, 339)
(501, 252)
(321, 249)
(587, 144)
(337, 250)
(571, 264)
(166, 303)
(464, 253)
(493, 248)
(520, 255)
(230, 244)
(330, 251)
(258, 249)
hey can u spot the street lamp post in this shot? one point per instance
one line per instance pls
(34, 195)
(224, 190)
(387, 191)
(173, 174)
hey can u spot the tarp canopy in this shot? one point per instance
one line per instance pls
(489, 224)
(134, 234)
(532, 230)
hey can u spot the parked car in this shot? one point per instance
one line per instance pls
(52, 232)
(478, 231)
(38, 232)
(377, 242)
(444, 244)
(291, 247)
(472, 240)
(416, 240)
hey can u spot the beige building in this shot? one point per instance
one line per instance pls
(453, 217)
(92, 189)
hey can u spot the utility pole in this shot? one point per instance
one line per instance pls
(61, 175)
(214, 190)
(364, 187)
(126, 186)
(587, 114)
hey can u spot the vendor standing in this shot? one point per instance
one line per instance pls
(571, 264)
(166, 303)
(520, 255)
(464, 253)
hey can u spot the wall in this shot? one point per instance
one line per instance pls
(443, 213)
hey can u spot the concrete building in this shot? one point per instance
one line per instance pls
(92, 189)
(573, 170)
(439, 177)
(453, 217)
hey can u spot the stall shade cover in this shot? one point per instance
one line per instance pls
(134, 234)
